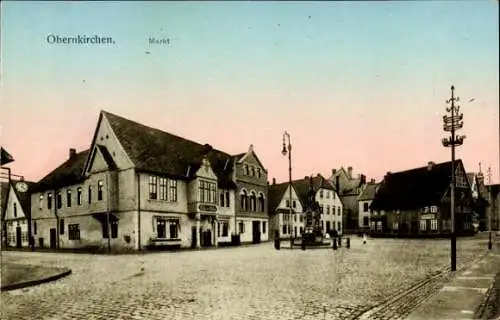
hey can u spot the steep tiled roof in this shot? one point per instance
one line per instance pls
(156, 151)
(107, 157)
(368, 192)
(302, 188)
(4, 189)
(414, 188)
(68, 173)
(275, 194)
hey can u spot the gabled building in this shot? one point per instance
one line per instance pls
(480, 196)
(139, 187)
(16, 213)
(349, 188)
(325, 195)
(417, 202)
(364, 202)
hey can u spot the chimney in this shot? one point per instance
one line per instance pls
(337, 184)
(372, 181)
(363, 179)
(349, 171)
(72, 152)
(334, 171)
(430, 165)
(274, 181)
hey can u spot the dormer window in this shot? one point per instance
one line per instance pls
(59, 200)
(49, 201)
(259, 174)
(246, 170)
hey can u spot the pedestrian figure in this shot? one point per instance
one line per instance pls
(364, 238)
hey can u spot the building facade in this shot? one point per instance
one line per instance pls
(364, 202)
(417, 202)
(349, 188)
(292, 226)
(16, 213)
(141, 188)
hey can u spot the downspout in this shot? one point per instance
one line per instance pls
(56, 203)
(107, 213)
(138, 211)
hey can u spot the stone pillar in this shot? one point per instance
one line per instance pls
(216, 232)
(198, 233)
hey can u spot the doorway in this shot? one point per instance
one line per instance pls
(18, 237)
(256, 231)
(53, 240)
(193, 237)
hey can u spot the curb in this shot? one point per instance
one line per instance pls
(31, 283)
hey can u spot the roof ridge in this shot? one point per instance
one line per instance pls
(164, 132)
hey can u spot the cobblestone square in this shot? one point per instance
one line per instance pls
(250, 282)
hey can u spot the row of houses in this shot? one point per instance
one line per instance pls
(138, 188)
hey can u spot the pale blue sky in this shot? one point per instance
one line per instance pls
(352, 78)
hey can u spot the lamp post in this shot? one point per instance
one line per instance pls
(452, 123)
(490, 244)
(284, 152)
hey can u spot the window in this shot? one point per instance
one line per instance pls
(259, 174)
(327, 209)
(172, 196)
(34, 227)
(365, 207)
(252, 171)
(301, 218)
(41, 202)
(153, 186)
(321, 208)
(328, 194)
(173, 229)
(339, 226)
(295, 230)
(395, 226)
(425, 209)
(61, 226)
(163, 190)
(59, 200)
(339, 210)
(284, 229)
(301, 230)
(73, 231)
(15, 210)
(221, 199)
(423, 225)
(434, 209)
(228, 203)
(294, 204)
(321, 194)
(434, 224)
(328, 226)
(253, 202)
(49, 201)
(68, 198)
(322, 225)
(213, 191)
(244, 200)
(161, 231)
(242, 227)
(295, 217)
(79, 196)
(263, 227)
(379, 225)
(261, 203)
(114, 229)
(365, 221)
(90, 194)
(207, 192)
(246, 169)
(224, 229)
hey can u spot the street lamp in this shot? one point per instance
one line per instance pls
(490, 244)
(284, 152)
(451, 124)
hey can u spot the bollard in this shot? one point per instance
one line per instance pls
(348, 243)
(277, 240)
(303, 245)
(334, 243)
(340, 241)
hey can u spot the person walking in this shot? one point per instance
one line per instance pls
(364, 238)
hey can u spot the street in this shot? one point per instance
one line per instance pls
(249, 282)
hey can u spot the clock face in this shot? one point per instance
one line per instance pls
(21, 186)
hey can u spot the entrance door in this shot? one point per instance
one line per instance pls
(18, 237)
(53, 239)
(193, 237)
(256, 231)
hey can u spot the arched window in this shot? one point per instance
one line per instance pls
(244, 200)
(253, 202)
(261, 202)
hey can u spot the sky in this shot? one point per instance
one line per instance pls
(360, 84)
